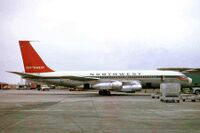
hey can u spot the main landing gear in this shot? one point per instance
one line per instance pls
(104, 92)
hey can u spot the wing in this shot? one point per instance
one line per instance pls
(33, 76)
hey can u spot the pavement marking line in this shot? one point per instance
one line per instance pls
(186, 110)
(31, 110)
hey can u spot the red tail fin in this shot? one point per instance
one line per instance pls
(32, 61)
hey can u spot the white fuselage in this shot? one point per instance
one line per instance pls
(149, 79)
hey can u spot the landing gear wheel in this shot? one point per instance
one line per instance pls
(193, 100)
(108, 93)
(104, 92)
(100, 92)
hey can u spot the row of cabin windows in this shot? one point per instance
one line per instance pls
(149, 76)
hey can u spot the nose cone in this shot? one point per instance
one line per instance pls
(189, 81)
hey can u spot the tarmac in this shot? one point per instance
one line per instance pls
(63, 111)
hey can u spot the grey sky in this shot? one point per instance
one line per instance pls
(101, 35)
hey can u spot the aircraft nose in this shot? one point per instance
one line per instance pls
(189, 80)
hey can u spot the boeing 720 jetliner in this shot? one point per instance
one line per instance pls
(105, 81)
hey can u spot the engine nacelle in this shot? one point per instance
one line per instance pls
(119, 86)
(131, 88)
(108, 86)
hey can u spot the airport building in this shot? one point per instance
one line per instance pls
(6, 86)
(3, 85)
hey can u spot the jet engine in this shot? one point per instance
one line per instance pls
(108, 86)
(132, 87)
(119, 86)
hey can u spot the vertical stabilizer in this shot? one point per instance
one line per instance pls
(33, 63)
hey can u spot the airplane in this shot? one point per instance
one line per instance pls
(104, 81)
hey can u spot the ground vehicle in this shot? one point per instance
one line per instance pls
(170, 92)
(33, 86)
(196, 90)
(43, 88)
(192, 98)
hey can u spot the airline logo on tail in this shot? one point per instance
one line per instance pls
(33, 63)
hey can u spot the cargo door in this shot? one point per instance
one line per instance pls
(148, 85)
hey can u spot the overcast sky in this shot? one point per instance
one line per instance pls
(101, 35)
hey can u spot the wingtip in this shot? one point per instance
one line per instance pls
(12, 72)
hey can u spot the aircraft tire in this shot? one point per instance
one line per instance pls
(100, 92)
(108, 93)
(104, 92)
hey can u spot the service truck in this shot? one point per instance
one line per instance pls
(170, 92)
